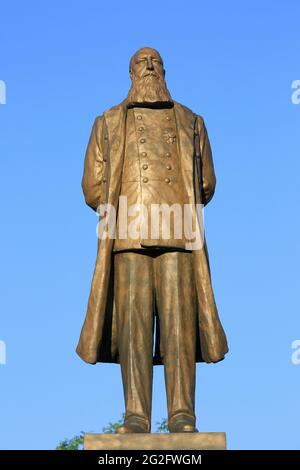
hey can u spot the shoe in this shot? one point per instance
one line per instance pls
(133, 424)
(182, 423)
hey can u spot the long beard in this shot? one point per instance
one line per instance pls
(149, 89)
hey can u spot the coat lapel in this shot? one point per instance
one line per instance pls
(116, 121)
(185, 120)
(185, 123)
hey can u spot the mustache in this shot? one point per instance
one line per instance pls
(148, 75)
(152, 74)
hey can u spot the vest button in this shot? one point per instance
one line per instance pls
(143, 141)
(145, 180)
(168, 118)
(167, 180)
(167, 154)
(139, 117)
(104, 159)
(144, 154)
(141, 129)
(145, 166)
(104, 179)
(168, 167)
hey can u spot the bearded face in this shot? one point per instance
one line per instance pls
(147, 76)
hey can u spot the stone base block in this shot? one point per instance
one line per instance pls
(159, 441)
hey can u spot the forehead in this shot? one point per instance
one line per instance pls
(146, 53)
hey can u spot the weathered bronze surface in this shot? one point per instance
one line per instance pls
(151, 150)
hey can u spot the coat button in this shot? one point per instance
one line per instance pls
(145, 180)
(141, 129)
(168, 167)
(145, 166)
(167, 154)
(167, 180)
(143, 141)
(144, 154)
(105, 137)
(104, 179)
(168, 118)
(139, 117)
(104, 159)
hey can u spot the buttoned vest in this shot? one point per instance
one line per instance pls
(152, 197)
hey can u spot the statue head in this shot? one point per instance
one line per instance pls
(147, 75)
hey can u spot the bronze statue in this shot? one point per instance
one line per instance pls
(151, 299)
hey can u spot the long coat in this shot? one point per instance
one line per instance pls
(101, 184)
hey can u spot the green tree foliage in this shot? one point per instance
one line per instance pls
(162, 426)
(76, 442)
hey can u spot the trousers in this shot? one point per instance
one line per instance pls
(140, 279)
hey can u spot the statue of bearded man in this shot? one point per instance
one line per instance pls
(151, 299)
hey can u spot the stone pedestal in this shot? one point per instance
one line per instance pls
(159, 441)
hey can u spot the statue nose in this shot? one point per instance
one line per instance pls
(149, 63)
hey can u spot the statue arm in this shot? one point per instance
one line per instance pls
(208, 176)
(93, 166)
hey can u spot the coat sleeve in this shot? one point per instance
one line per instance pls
(208, 176)
(93, 166)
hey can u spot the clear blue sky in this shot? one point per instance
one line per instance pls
(66, 62)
